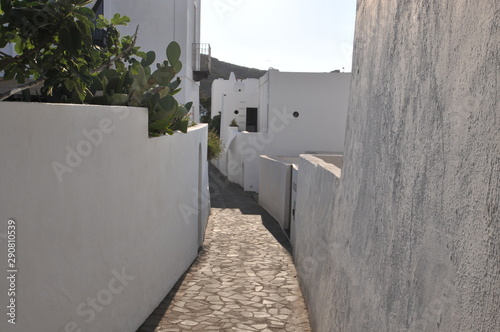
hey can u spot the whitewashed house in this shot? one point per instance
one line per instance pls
(280, 114)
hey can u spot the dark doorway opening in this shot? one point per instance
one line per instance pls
(252, 119)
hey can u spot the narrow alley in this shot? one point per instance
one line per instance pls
(244, 278)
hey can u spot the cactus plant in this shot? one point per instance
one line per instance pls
(137, 85)
(60, 55)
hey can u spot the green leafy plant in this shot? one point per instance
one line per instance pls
(205, 109)
(233, 123)
(55, 49)
(214, 150)
(53, 42)
(137, 85)
(214, 124)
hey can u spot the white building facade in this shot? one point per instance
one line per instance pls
(280, 114)
(161, 22)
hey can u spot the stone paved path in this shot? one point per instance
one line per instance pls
(244, 278)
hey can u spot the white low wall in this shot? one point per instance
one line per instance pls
(274, 185)
(314, 237)
(222, 162)
(240, 161)
(107, 219)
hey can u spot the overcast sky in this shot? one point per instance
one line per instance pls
(289, 35)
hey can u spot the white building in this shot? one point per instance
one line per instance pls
(161, 22)
(280, 114)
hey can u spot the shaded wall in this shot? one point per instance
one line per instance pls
(408, 238)
(275, 177)
(161, 22)
(107, 218)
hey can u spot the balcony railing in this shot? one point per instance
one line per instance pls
(202, 61)
(98, 35)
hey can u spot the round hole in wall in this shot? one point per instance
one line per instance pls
(295, 114)
(236, 112)
(239, 90)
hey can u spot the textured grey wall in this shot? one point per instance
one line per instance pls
(409, 238)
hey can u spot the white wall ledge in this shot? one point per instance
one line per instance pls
(330, 163)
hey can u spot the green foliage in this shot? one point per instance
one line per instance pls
(137, 85)
(54, 43)
(204, 118)
(214, 145)
(214, 124)
(53, 40)
(205, 112)
(214, 142)
(206, 102)
(233, 123)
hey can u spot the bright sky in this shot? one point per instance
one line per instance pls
(289, 35)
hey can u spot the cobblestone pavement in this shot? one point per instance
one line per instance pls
(244, 278)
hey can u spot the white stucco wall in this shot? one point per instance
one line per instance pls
(243, 161)
(264, 103)
(321, 100)
(161, 22)
(223, 162)
(293, 200)
(233, 95)
(127, 206)
(275, 177)
(408, 238)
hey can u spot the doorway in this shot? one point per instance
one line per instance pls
(252, 117)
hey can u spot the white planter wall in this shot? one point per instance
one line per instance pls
(128, 206)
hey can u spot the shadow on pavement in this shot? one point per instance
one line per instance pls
(227, 195)
(153, 321)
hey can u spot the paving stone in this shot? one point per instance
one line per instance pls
(189, 323)
(244, 278)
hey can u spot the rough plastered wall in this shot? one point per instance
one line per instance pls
(409, 238)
